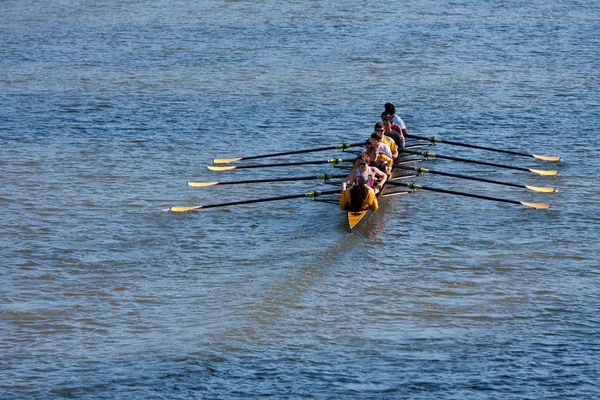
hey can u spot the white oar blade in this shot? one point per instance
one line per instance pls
(541, 206)
(184, 209)
(546, 158)
(202, 184)
(216, 168)
(544, 172)
(541, 189)
(225, 160)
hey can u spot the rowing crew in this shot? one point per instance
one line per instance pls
(373, 167)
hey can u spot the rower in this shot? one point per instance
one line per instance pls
(390, 109)
(375, 177)
(395, 127)
(387, 141)
(383, 148)
(392, 130)
(360, 196)
(379, 160)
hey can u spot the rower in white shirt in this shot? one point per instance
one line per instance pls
(392, 147)
(391, 109)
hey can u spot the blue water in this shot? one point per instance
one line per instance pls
(108, 109)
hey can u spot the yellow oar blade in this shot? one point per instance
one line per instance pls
(544, 172)
(184, 209)
(202, 184)
(541, 189)
(225, 160)
(546, 158)
(216, 168)
(536, 205)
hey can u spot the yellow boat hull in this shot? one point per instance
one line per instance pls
(354, 217)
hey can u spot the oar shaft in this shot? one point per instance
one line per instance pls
(313, 194)
(420, 170)
(265, 200)
(323, 177)
(471, 146)
(472, 195)
(475, 196)
(331, 161)
(435, 140)
(432, 155)
(342, 146)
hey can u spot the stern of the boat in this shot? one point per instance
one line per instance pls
(354, 217)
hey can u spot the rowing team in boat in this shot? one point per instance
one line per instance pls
(372, 171)
(374, 166)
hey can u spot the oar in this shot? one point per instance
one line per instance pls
(476, 196)
(435, 140)
(421, 171)
(342, 146)
(433, 155)
(314, 194)
(232, 167)
(324, 177)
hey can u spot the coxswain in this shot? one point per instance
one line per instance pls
(359, 197)
(390, 109)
